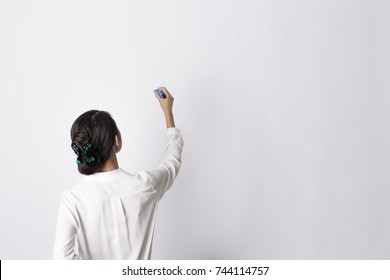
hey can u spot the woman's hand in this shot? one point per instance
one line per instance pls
(166, 105)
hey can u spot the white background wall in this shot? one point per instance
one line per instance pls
(283, 105)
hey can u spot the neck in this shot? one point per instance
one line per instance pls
(111, 164)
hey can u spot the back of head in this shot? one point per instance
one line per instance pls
(93, 136)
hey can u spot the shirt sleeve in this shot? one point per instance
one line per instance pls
(64, 244)
(163, 177)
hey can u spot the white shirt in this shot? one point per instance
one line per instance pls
(111, 215)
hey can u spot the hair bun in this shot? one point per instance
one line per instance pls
(93, 136)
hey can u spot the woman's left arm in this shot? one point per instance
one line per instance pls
(66, 230)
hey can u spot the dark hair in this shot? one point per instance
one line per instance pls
(93, 136)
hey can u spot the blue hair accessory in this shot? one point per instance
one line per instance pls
(88, 159)
(87, 147)
(77, 152)
(84, 155)
(75, 149)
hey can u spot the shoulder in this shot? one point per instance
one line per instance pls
(71, 195)
(141, 177)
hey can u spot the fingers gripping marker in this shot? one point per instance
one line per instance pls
(160, 93)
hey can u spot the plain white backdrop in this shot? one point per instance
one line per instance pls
(283, 106)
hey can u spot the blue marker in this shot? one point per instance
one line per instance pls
(160, 93)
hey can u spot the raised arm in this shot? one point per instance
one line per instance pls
(166, 105)
(163, 177)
